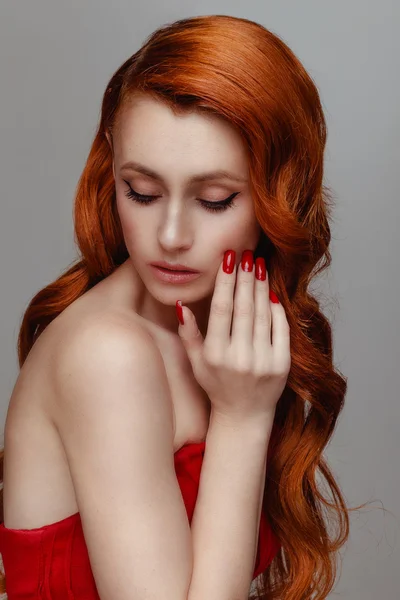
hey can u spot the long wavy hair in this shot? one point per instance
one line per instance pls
(242, 72)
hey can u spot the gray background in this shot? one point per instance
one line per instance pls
(55, 60)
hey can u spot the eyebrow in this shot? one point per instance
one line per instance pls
(218, 174)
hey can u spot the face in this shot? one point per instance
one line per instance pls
(176, 217)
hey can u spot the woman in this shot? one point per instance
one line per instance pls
(209, 158)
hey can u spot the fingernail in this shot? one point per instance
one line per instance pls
(247, 261)
(229, 261)
(179, 312)
(261, 270)
(273, 297)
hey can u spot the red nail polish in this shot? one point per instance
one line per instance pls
(229, 261)
(247, 261)
(179, 312)
(273, 297)
(261, 270)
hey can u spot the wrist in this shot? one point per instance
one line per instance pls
(256, 424)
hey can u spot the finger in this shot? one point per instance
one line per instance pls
(243, 303)
(190, 335)
(262, 339)
(220, 317)
(280, 336)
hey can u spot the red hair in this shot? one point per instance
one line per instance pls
(240, 71)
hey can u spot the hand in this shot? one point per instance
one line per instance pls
(244, 372)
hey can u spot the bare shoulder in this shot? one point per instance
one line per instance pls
(113, 411)
(89, 335)
(109, 351)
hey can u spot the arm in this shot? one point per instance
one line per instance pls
(115, 420)
(225, 524)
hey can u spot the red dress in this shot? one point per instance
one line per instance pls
(52, 561)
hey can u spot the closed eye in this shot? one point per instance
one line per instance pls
(207, 204)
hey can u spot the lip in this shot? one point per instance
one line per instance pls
(175, 267)
(174, 276)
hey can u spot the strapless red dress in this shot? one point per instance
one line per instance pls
(52, 562)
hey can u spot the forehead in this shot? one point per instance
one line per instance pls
(149, 130)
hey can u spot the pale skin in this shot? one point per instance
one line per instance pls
(106, 375)
(175, 227)
(242, 367)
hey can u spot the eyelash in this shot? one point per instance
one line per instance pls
(210, 206)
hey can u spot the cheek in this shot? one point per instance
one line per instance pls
(256, 233)
(127, 215)
(251, 232)
(241, 235)
(129, 223)
(138, 227)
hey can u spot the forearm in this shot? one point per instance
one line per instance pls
(226, 519)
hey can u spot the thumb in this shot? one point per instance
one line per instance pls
(189, 333)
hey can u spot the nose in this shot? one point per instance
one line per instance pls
(175, 233)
